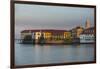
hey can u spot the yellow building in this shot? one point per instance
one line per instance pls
(67, 35)
(76, 32)
(48, 35)
(37, 35)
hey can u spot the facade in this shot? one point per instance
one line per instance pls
(75, 34)
(48, 35)
(87, 36)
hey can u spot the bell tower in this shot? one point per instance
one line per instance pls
(87, 25)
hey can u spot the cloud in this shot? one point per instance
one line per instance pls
(50, 17)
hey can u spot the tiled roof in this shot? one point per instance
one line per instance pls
(44, 30)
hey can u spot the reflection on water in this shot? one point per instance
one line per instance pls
(26, 54)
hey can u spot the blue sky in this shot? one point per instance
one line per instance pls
(50, 17)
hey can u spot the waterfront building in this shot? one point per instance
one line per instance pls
(50, 35)
(77, 31)
(75, 34)
(87, 36)
(26, 33)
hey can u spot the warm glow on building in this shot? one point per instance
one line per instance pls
(47, 35)
(37, 35)
(67, 34)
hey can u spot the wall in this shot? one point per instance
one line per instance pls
(5, 35)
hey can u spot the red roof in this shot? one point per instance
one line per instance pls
(45, 30)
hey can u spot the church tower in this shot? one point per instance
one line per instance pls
(87, 25)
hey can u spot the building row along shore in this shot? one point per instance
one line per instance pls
(75, 35)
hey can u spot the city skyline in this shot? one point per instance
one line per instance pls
(50, 17)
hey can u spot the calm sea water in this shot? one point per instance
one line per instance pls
(26, 54)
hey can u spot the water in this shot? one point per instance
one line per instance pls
(26, 54)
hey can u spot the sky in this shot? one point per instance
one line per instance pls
(30, 16)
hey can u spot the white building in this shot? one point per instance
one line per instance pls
(87, 36)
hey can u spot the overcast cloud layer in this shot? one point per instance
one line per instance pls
(50, 17)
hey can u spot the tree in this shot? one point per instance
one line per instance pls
(27, 39)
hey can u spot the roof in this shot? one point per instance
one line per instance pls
(91, 28)
(44, 30)
(78, 27)
(88, 31)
